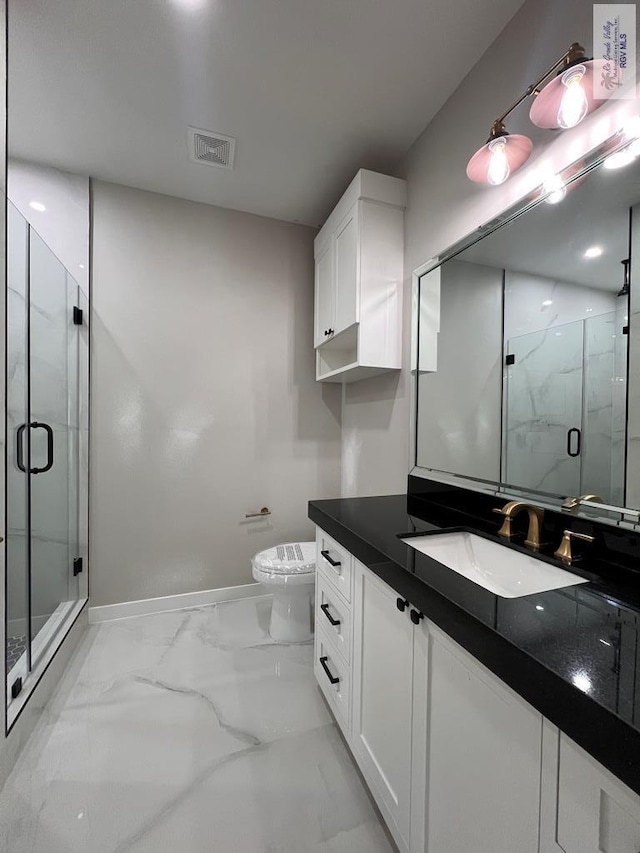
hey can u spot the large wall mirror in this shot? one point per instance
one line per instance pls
(534, 382)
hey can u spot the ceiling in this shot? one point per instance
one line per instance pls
(311, 89)
(551, 240)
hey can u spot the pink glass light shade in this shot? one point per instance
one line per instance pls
(547, 104)
(517, 150)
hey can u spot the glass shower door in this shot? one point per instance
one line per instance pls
(543, 423)
(53, 381)
(17, 649)
(47, 375)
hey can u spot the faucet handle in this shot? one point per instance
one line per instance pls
(564, 549)
(505, 530)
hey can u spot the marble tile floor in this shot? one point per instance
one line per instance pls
(188, 731)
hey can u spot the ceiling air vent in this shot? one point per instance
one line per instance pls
(212, 149)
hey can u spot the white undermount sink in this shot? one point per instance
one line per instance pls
(501, 570)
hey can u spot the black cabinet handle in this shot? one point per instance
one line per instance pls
(402, 604)
(325, 610)
(334, 563)
(20, 447)
(330, 332)
(49, 432)
(326, 333)
(332, 678)
(570, 433)
(416, 616)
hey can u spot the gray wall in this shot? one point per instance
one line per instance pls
(444, 206)
(204, 400)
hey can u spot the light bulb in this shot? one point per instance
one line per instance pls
(574, 105)
(499, 169)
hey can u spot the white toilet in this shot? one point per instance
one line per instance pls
(289, 572)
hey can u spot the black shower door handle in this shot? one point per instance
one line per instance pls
(20, 447)
(49, 432)
(570, 433)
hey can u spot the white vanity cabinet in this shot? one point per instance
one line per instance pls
(358, 281)
(383, 681)
(585, 809)
(484, 758)
(454, 758)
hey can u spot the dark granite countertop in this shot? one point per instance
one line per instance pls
(572, 653)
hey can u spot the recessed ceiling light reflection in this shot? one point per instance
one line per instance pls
(593, 252)
(547, 302)
(539, 607)
(37, 205)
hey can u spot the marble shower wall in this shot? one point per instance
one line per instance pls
(604, 408)
(569, 373)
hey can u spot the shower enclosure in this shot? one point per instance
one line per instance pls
(565, 408)
(46, 464)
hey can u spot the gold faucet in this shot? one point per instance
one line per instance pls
(510, 511)
(564, 549)
(573, 504)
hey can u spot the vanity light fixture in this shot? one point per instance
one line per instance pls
(501, 155)
(567, 99)
(563, 103)
(593, 252)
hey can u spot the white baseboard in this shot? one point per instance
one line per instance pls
(147, 606)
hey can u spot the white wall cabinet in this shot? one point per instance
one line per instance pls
(358, 281)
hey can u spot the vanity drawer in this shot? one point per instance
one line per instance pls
(335, 563)
(334, 677)
(331, 609)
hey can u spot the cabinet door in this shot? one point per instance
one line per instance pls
(596, 812)
(347, 269)
(324, 294)
(484, 759)
(382, 698)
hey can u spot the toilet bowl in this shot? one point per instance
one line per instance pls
(289, 572)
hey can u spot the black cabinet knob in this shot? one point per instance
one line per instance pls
(402, 604)
(416, 616)
(330, 332)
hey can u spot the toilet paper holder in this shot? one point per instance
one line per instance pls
(264, 511)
